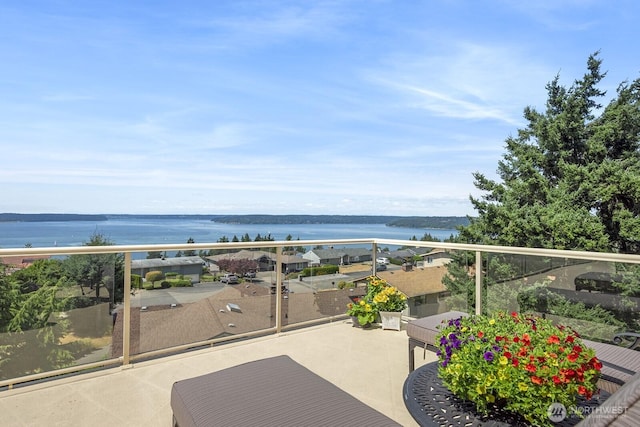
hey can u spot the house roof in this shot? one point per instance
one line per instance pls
(416, 282)
(166, 262)
(164, 327)
(21, 261)
(244, 254)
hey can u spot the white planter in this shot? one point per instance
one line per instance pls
(391, 319)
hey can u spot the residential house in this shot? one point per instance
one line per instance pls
(266, 260)
(422, 286)
(342, 256)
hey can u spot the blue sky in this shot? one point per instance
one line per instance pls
(282, 107)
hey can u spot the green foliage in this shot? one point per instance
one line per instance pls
(180, 283)
(98, 271)
(190, 252)
(148, 286)
(153, 276)
(569, 179)
(136, 281)
(320, 271)
(343, 284)
(519, 363)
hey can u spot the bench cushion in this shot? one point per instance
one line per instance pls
(270, 392)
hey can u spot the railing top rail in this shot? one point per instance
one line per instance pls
(74, 250)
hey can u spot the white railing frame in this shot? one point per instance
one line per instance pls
(126, 359)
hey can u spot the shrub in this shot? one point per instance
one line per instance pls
(153, 276)
(136, 281)
(320, 271)
(147, 285)
(171, 275)
(180, 283)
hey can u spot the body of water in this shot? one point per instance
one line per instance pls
(141, 231)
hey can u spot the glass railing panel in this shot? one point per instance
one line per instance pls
(57, 313)
(191, 298)
(599, 299)
(322, 288)
(455, 271)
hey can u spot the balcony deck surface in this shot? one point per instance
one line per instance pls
(370, 364)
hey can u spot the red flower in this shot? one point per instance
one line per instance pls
(595, 363)
(569, 339)
(572, 357)
(514, 314)
(516, 339)
(553, 339)
(536, 380)
(530, 367)
(582, 390)
(515, 362)
(577, 349)
(556, 379)
(480, 334)
(507, 355)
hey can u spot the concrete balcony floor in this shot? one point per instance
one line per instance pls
(369, 364)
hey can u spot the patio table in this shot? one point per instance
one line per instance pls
(431, 403)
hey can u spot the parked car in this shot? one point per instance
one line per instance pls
(382, 260)
(381, 267)
(250, 275)
(230, 279)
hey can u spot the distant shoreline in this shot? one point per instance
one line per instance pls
(439, 222)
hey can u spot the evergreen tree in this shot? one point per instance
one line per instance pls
(570, 179)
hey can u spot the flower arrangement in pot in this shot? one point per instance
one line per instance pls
(362, 310)
(518, 363)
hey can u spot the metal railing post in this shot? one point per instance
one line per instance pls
(374, 255)
(279, 289)
(478, 282)
(126, 312)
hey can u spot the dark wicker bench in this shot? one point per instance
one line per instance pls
(619, 363)
(270, 392)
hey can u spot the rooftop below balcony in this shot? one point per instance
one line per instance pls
(370, 364)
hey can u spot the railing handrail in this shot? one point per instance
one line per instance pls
(516, 250)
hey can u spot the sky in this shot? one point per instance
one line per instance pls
(354, 107)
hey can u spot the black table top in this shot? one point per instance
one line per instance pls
(430, 403)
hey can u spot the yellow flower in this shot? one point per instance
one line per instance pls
(492, 321)
(480, 389)
(523, 387)
(503, 360)
(491, 398)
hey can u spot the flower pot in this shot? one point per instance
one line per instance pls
(356, 324)
(391, 319)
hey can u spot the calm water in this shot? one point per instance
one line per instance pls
(139, 231)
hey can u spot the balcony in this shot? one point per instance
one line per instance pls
(139, 344)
